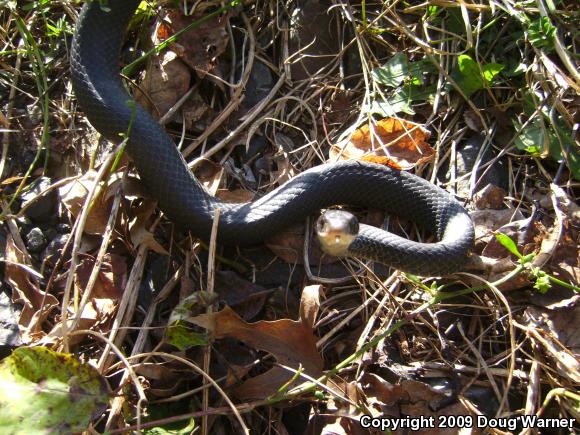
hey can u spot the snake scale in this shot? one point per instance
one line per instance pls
(100, 92)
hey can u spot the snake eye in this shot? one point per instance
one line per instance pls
(336, 229)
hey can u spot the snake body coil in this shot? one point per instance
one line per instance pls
(100, 92)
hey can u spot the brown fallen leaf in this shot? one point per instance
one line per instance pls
(162, 380)
(102, 305)
(560, 337)
(289, 246)
(235, 196)
(491, 196)
(382, 396)
(292, 342)
(138, 228)
(36, 304)
(392, 142)
(73, 196)
(210, 175)
(200, 46)
(486, 222)
(247, 297)
(166, 80)
(341, 416)
(111, 280)
(410, 398)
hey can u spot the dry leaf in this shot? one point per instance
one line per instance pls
(392, 142)
(4, 122)
(138, 228)
(310, 304)
(292, 342)
(235, 196)
(491, 196)
(111, 278)
(166, 80)
(288, 245)
(247, 297)
(410, 398)
(210, 175)
(73, 196)
(100, 308)
(561, 329)
(285, 171)
(10, 180)
(36, 304)
(200, 46)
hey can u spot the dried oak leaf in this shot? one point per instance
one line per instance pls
(100, 308)
(410, 398)
(200, 46)
(74, 194)
(288, 245)
(292, 342)
(246, 296)
(166, 80)
(392, 142)
(138, 228)
(36, 304)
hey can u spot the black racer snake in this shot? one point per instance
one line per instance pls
(101, 94)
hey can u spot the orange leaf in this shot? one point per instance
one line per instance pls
(393, 142)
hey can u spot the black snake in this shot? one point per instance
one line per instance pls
(101, 94)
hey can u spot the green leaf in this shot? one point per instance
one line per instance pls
(516, 69)
(163, 412)
(490, 70)
(180, 336)
(508, 243)
(545, 137)
(177, 333)
(393, 72)
(560, 136)
(454, 22)
(46, 392)
(402, 100)
(419, 69)
(390, 107)
(189, 429)
(472, 80)
(532, 138)
(182, 311)
(541, 33)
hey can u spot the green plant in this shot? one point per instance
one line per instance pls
(543, 280)
(541, 33)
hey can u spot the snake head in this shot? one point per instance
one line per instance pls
(336, 229)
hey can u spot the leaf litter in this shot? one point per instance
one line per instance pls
(504, 350)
